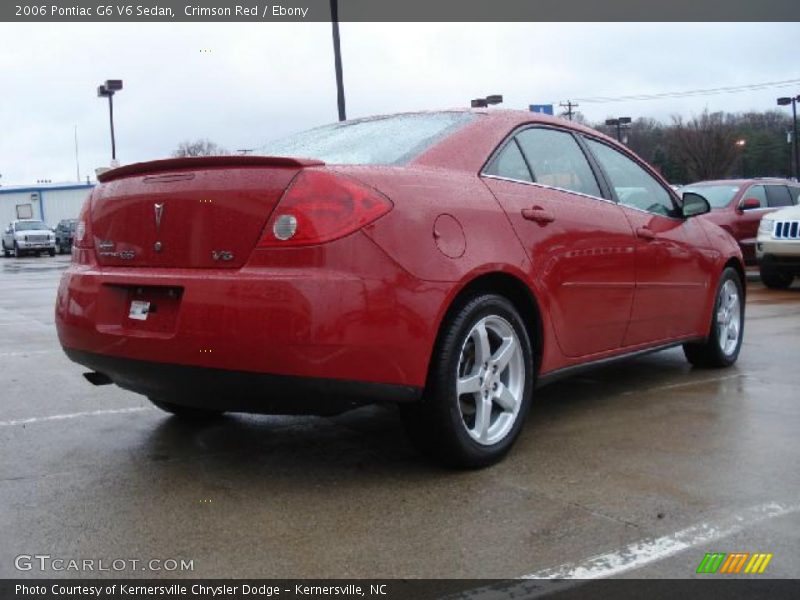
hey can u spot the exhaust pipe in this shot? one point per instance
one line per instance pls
(96, 378)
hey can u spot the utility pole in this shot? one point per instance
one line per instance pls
(337, 59)
(569, 106)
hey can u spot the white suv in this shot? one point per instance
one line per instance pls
(778, 247)
(28, 235)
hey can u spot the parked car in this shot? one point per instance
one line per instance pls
(448, 262)
(778, 247)
(737, 205)
(65, 232)
(28, 236)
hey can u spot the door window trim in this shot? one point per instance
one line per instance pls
(676, 201)
(512, 137)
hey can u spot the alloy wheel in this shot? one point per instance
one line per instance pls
(490, 381)
(729, 317)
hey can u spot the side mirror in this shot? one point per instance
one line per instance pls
(694, 204)
(750, 204)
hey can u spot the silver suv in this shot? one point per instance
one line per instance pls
(778, 247)
(28, 236)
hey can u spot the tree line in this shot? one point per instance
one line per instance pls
(711, 145)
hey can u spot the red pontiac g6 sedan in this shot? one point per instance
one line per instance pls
(448, 262)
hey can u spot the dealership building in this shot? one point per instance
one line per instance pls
(49, 202)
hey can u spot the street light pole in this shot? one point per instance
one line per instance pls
(107, 90)
(794, 140)
(337, 59)
(793, 102)
(618, 123)
(111, 122)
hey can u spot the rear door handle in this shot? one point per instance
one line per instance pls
(645, 233)
(538, 214)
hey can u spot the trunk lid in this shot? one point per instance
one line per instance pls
(199, 212)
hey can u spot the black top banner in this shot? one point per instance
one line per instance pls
(401, 11)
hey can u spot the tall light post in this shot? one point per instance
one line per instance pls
(618, 123)
(793, 102)
(107, 90)
(337, 59)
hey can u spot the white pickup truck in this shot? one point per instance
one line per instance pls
(28, 236)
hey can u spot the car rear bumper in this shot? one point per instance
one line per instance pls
(276, 324)
(218, 389)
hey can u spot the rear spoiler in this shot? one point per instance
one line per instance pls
(205, 162)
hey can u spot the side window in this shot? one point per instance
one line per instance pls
(557, 160)
(757, 192)
(633, 185)
(795, 192)
(509, 163)
(778, 196)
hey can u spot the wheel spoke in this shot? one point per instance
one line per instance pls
(483, 417)
(504, 354)
(733, 300)
(481, 338)
(469, 384)
(733, 329)
(506, 399)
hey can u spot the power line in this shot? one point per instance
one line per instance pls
(735, 89)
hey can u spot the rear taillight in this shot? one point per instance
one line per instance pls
(83, 230)
(320, 207)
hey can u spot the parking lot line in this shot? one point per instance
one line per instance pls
(673, 386)
(93, 413)
(643, 552)
(633, 556)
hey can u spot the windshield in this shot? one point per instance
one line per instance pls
(392, 140)
(30, 225)
(718, 196)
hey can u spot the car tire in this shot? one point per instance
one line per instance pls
(774, 278)
(52, 252)
(726, 332)
(187, 413)
(456, 428)
(6, 251)
(17, 251)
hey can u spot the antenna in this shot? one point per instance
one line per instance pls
(77, 162)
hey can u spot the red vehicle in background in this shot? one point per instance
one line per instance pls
(448, 262)
(737, 206)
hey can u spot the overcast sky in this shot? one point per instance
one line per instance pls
(256, 82)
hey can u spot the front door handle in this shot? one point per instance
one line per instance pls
(538, 214)
(645, 233)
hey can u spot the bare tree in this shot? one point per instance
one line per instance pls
(705, 145)
(202, 147)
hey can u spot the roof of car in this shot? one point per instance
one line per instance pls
(742, 181)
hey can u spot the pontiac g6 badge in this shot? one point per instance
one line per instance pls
(159, 208)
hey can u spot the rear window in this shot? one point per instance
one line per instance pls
(392, 140)
(718, 196)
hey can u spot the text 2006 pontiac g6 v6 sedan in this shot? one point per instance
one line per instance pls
(445, 261)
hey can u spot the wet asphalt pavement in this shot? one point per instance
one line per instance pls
(645, 451)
